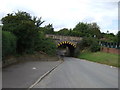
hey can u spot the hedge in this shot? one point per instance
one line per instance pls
(8, 43)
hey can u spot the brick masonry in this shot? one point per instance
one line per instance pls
(110, 50)
(60, 38)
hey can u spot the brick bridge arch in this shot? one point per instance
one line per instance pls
(70, 47)
(68, 41)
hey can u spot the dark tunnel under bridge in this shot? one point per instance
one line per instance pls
(66, 48)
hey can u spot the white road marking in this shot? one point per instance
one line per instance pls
(111, 66)
(34, 68)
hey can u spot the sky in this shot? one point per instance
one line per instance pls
(67, 13)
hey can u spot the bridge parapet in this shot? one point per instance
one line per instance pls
(64, 38)
(60, 40)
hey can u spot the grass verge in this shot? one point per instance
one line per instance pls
(101, 57)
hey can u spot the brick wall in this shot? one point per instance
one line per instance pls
(110, 50)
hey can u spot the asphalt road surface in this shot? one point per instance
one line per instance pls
(77, 73)
(23, 75)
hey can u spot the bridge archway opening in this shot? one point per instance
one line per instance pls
(66, 48)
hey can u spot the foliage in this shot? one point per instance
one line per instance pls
(94, 30)
(0, 27)
(82, 30)
(63, 31)
(108, 37)
(87, 30)
(94, 47)
(81, 27)
(24, 28)
(8, 43)
(47, 29)
(117, 38)
(46, 45)
(30, 37)
(75, 33)
(90, 44)
(38, 22)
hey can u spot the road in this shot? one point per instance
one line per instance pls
(76, 73)
(23, 75)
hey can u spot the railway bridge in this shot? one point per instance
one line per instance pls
(66, 44)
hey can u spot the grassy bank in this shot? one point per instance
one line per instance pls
(101, 57)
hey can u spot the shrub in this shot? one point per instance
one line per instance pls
(94, 47)
(46, 45)
(24, 27)
(90, 44)
(8, 43)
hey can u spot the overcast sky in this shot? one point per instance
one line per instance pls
(67, 13)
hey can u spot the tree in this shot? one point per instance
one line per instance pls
(46, 45)
(90, 44)
(87, 30)
(117, 37)
(94, 30)
(75, 33)
(24, 28)
(0, 27)
(109, 37)
(63, 31)
(38, 22)
(82, 28)
(47, 29)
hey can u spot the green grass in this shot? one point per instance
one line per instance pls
(101, 57)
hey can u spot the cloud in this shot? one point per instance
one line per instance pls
(67, 13)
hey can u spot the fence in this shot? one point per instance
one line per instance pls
(110, 47)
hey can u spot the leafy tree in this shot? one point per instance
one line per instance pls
(38, 22)
(117, 37)
(90, 44)
(49, 46)
(46, 45)
(24, 28)
(0, 27)
(87, 30)
(94, 30)
(82, 27)
(75, 33)
(48, 29)
(108, 37)
(82, 30)
(63, 31)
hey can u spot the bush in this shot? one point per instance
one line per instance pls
(94, 47)
(46, 45)
(8, 43)
(90, 44)
(24, 27)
